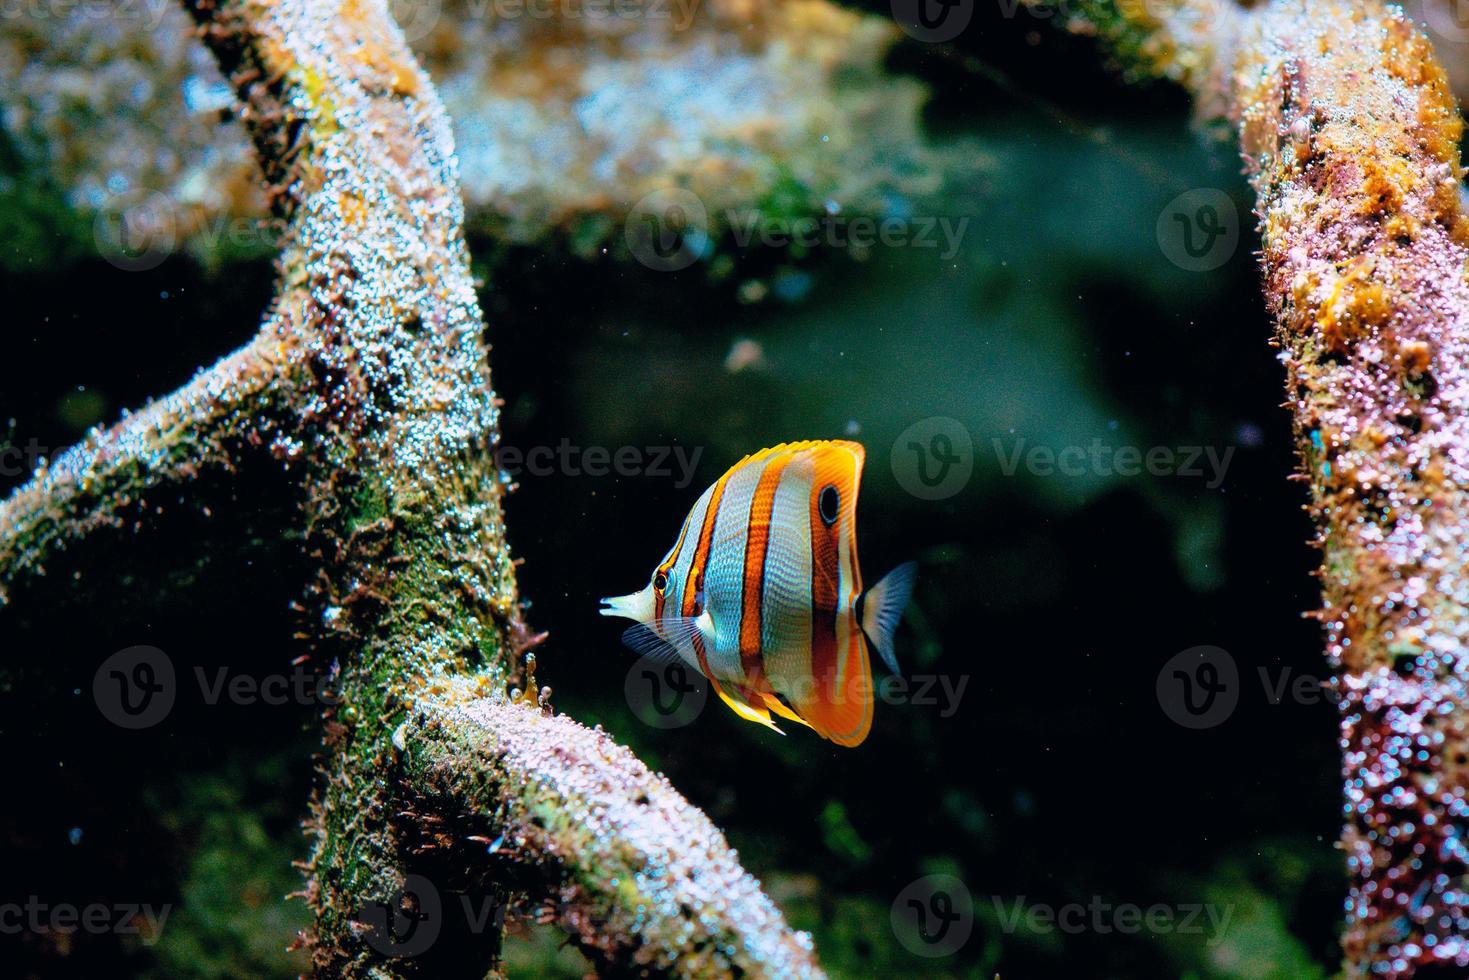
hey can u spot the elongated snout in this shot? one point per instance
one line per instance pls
(637, 606)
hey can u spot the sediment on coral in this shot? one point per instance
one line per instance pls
(630, 870)
(370, 377)
(1350, 135)
(563, 121)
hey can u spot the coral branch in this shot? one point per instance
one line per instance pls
(636, 875)
(377, 310)
(1350, 134)
(107, 480)
(1354, 136)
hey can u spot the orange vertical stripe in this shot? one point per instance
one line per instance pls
(824, 584)
(695, 581)
(757, 546)
(667, 568)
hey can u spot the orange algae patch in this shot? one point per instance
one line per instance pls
(1357, 305)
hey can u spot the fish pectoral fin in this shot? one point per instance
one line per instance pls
(664, 641)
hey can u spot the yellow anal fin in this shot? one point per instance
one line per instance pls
(746, 711)
(775, 704)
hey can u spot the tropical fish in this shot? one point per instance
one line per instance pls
(762, 593)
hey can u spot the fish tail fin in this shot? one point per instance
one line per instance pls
(883, 606)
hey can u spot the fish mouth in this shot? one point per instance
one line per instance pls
(637, 606)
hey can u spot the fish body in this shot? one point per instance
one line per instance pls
(760, 592)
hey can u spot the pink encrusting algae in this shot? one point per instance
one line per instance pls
(1350, 136)
(368, 382)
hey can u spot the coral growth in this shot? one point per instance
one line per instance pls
(563, 117)
(369, 378)
(1350, 134)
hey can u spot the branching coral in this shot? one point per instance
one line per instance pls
(564, 118)
(1350, 134)
(369, 376)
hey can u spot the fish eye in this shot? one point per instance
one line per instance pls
(660, 582)
(828, 504)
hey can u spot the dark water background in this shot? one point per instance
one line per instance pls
(1058, 779)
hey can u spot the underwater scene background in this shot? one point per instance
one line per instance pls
(1038, 754)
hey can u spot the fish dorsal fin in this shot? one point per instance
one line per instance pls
(883, 607)
(801, 446)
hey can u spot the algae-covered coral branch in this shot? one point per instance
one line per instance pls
(564, 118)
(370, 375)
(634, 873)
(114, 478)
(1350, 135)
